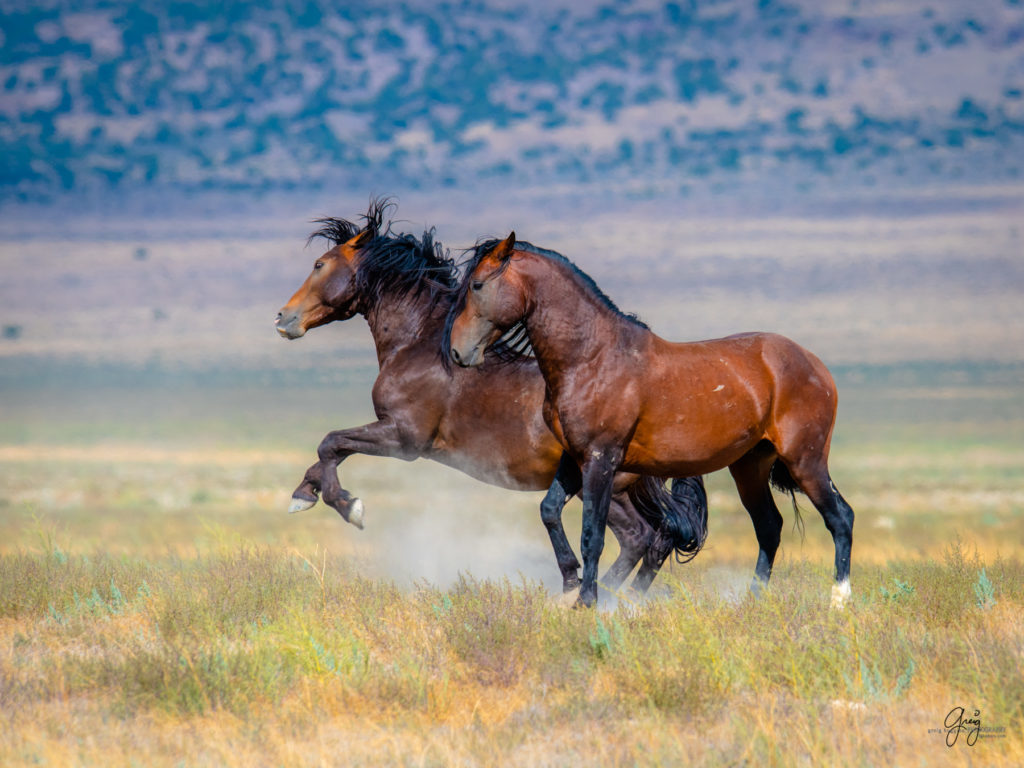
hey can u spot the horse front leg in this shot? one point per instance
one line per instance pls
(381, 438)
(566, 484)
(598, 474)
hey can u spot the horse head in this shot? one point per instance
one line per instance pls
(491, 300)
(331, 292)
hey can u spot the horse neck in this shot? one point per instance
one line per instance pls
(397, 321)
(569, 326)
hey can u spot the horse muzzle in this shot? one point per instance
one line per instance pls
(471, 359)
(289, 325)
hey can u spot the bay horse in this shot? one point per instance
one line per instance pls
(622, 399)
(486, 423)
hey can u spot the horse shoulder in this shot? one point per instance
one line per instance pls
(412, 396)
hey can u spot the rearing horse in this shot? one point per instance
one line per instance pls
(486, 423)
(623, 399)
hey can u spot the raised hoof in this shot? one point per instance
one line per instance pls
(300, 505)
(355, 514)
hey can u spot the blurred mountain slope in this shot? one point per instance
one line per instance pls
(692, 98)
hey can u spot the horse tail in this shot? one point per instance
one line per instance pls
(782, 481)
(681, 514)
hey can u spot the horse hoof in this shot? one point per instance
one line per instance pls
(840, 595)
(300, 505)
(355, 515)
(568, 599)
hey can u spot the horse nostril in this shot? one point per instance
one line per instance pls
(277, 321)
(455, 355)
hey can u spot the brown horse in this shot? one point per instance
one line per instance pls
(623, 399)
(486, 423)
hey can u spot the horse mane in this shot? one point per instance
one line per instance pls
(587, 281)
(514, 344)
(402, 265)
(339, 231)
(390, 263)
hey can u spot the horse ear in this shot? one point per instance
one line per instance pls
(364, 236)
(505, 247)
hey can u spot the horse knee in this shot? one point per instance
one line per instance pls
(551, 511)
(325, 451)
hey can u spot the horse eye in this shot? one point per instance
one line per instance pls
(318, 265)
(477, 285)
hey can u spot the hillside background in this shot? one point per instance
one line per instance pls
(846, 172)
(812, 103)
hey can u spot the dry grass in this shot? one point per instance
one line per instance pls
(257, 657)
(157, 607)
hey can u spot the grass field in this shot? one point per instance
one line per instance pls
(157, 607)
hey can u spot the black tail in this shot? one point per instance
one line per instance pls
(682, 514)
(782, 481)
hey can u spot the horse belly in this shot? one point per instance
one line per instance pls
(704, 433)
(683, 457)
(503, 442)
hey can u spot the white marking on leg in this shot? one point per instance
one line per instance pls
(568, 599)
(840, 594)
(299, 505)
(356, 515)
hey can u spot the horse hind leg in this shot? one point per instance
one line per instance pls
(634, 535)
(658, 550)
(751, 474)
(812, 477)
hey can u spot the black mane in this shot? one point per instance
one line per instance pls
(389, 263)
(338, 231)
(514, 343)
(403, 264)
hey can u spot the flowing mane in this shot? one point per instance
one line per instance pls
(393, 264)
(338, 231)
(515, 343)
(402, 265)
